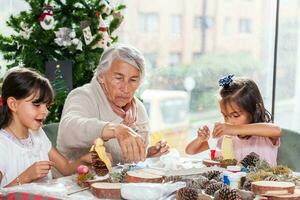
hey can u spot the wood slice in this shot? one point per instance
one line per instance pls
(106, 190)
(210, 163)
(141, 176)
(96, 179)
(295, 196)
(272, 187)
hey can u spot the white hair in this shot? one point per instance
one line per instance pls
(124, 53)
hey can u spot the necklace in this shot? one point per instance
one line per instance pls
(27, 142)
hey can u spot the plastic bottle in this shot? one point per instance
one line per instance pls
(234, 179)
(226, 175)
(227, 147)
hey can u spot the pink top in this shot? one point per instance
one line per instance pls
(262, 146)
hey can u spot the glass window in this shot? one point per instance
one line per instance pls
(148, 22)
(227, 28)
(176, 24)
(151, 59)
(174, 59)
(245, 25)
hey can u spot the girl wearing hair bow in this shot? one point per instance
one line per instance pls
(246, 120)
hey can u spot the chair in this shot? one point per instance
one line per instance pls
(51, 132)
(289, 150)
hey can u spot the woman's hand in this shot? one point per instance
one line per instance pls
(36, 171)
(86, 159)
(203, 133)
(159, 149)
(132, 144)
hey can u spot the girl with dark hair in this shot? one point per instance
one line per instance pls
(246, 121)
(26, 154)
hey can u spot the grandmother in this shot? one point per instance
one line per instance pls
(106, 108)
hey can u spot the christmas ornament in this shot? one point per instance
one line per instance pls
(106, 7)
(82, 169)
(87, 34)
(46, 19)
(105, 38)
(26, 32)
(67, 37)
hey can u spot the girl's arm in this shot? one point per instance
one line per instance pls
(36, 171)
(196, 146)
(257, 129)
(200, 143)
(64, 166)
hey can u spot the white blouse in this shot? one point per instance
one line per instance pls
(17, 155)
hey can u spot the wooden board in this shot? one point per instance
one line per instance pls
(210, 163)
(272, 188)
(142, 176)
(106, 190)
(295, 196)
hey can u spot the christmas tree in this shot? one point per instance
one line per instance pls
(61, 92)
(55, 30)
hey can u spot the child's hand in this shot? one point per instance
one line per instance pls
(222, 129)
(87, 158)
(203, 133)
(38, 170)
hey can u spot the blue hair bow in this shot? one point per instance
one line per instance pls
(226, 80)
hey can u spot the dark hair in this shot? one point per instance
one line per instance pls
(245, 93)
(20, 83)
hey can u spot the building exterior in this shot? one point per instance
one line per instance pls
(176, 33)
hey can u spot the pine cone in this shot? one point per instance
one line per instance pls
(98, 165)
(225, 193)
(272, 178)
(194, 184)
(247, 185)
(212, 175)
(250, 160)
(202, 181)
(186, 194)
(204, 197)
(173, 179)
(212, 188)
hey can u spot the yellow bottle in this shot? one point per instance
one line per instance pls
(227, 147)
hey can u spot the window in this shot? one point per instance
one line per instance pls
(151, 59)
(174, 59)
(148, 22)
(196, 56)
(245, 25)
(227, 27)
(207, 22)
(176, 24)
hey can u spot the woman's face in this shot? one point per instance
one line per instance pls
(233, 114)
(121, 81)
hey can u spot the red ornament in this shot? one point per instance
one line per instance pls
(1, 103)
(82, 169)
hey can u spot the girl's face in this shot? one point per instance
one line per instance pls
(29, 114)
(233, 114)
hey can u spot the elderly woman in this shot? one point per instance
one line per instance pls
(106, 108)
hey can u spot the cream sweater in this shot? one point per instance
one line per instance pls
(86, 112)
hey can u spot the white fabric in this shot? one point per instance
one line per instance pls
(15, 158)
(86, 112)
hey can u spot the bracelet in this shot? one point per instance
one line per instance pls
(18, 181)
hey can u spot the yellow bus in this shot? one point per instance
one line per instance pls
(168, 112)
